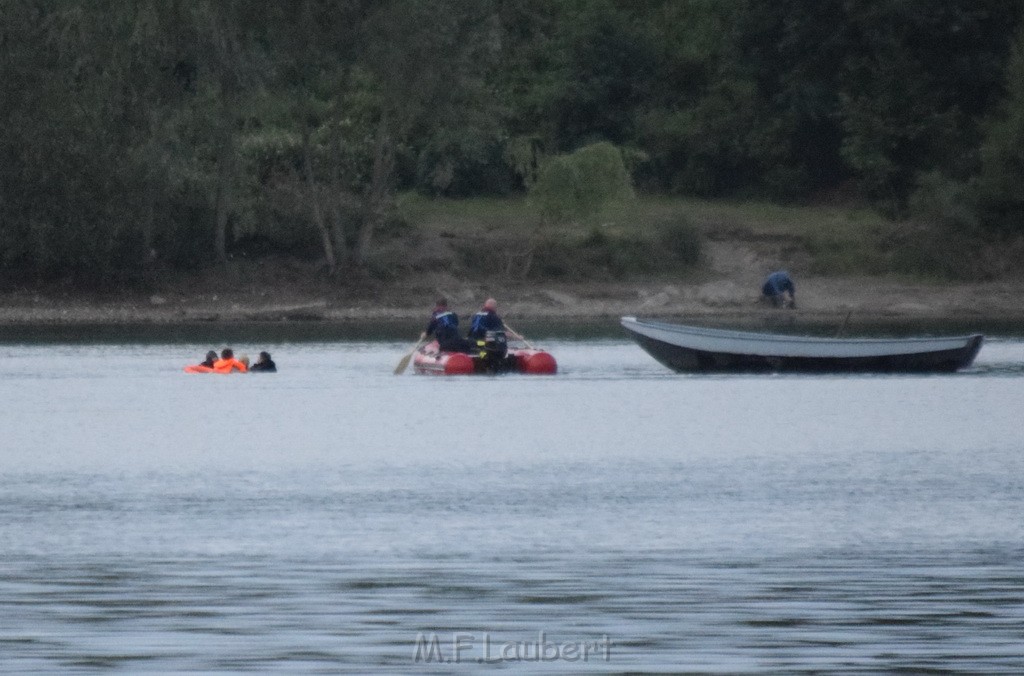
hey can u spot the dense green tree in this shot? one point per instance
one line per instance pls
(579, 184)
(1002, 154)
(574, 72)
(422, 71)
(696, 123)
(161, 132)
(792, 51)
(298, 153)
(918, 76)
(79, 85)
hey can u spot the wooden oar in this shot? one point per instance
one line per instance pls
(403, 363)
(519, 336)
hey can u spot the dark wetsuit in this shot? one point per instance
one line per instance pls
(267, 366)
(444, 325)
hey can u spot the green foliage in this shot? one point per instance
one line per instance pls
(575, 186)
(522, 154)
(557, 191)
(931, 250)
(153, 133)
(681, 241)
(1002, 153)
(594, 255)
(603, 175)
(940, 253)
(598, 255)
(945, 202)
(919, 74)
(574, 71)
(70, 182)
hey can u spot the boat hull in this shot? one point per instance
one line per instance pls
(688, 349)
(430, 360)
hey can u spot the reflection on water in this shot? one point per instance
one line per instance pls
(659, 610)
(327, 517)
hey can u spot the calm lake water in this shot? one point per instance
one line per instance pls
(616, 517)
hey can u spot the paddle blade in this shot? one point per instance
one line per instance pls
(404, 361)
(403, 364)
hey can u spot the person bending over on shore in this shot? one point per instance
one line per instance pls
(228, 363)
(264, 364)
(444, 325)
(779, 290)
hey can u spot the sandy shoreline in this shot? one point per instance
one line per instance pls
(822, 299)
(724, 289)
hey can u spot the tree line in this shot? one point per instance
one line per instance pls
(164, 132)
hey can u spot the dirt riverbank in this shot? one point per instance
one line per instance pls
(706, 299)
(740, 245)
(724, 290)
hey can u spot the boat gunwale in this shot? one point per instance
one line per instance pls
(755, 351)
(730, 334)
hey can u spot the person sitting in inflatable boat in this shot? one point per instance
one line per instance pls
(485, 320)
(444, 325)
(487, 331)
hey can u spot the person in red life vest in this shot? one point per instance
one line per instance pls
(227, 362)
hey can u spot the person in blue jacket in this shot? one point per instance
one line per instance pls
(779, 289)
(488, 333)
(444, 325)
(485, 320)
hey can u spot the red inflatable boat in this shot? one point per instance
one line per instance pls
(431, 360)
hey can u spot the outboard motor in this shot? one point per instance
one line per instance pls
(495, 344)
(493, 350)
